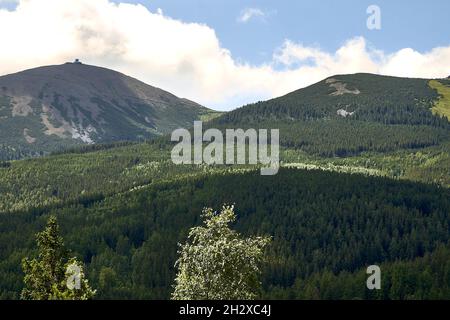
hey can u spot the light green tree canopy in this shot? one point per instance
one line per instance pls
(52, 276)
(217, 263)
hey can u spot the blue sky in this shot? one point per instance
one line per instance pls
(224, 54)
(421, 25)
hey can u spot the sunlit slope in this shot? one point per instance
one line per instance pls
(442, 106)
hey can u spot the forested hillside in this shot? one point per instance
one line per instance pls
(364, 179)
(94, 172)
(388, 100)
(319, 221)
(346, 115)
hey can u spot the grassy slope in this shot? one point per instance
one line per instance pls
(210, 115)
(442, 106)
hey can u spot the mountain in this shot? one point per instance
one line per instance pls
(53, 107)
(346, 115)
(123, 209)
(363, 96)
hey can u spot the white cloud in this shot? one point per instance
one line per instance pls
(250, 13)
(410, 63)
(184, 58)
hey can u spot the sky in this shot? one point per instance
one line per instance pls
(224, 54)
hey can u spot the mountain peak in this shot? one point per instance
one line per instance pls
(48, 107)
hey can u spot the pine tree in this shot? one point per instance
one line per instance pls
(52, 275)
(218, 263)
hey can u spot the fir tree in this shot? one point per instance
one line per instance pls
(52, 275)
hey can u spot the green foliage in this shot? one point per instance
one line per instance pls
(382, 99)
(128, 205)
(427, 277)
(5, 164)
(349, 137)
(81, 177)
(218, 263)
(430, 165)
(41, 274)
(210, 115)
(319, 221)
(86, 176)
(46, 278)
(74, 286)
(388, 114)
(442, 106)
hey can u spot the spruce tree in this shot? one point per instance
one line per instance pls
(52, 275)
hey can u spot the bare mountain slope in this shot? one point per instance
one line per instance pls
(49, 108)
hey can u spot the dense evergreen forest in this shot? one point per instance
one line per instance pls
(365, 180)
(382, 115)
(323, 224)
(93, 173)
(349, 137)
(383, 99)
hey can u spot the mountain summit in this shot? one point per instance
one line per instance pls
(53, 107)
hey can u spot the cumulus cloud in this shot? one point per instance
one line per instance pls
(410, 63)
(248, 13)
(184, 58)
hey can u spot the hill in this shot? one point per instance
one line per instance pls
(346, 115)
(324, 226)
(54, 107)
(339, 203)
